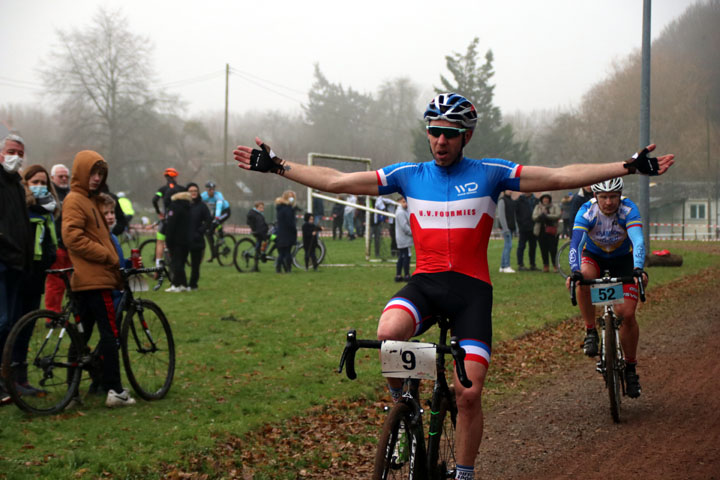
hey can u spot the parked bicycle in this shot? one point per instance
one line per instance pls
(57, 353)
(244, 254)
(562, 260)
(222, 244)
(402, 452)
(606, 292)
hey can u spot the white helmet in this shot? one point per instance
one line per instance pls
(612, 185)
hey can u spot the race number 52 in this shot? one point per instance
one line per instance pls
(408, 360)
(606, 294)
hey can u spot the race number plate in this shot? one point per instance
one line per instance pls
(606, 294)
(408, 360)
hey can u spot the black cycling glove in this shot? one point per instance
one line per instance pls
(265, 160)
(576, 276)
(642, 163)
(639, 272)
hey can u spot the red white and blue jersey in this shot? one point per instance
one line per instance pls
(452, 210)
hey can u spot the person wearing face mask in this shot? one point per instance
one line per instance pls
(43, 207)
(54, 285)
(286, 230)
(15, 238)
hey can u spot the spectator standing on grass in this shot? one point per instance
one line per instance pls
(524, 206)
(403, 237)
(259, 229)
(310, 232)
(349, 216)
(15, 238)
(501, 214)
(337, 219)
(546, 216)
(43, 206)
(200, 221)
(567, 218)
(318, 210)
(286, 230)
(54, 285)
(178, 237)
(92, 252)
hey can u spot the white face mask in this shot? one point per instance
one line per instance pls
(12, 163)
(291, 199)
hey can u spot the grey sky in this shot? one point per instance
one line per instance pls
(547, 53)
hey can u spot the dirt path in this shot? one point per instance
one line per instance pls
(563, 429)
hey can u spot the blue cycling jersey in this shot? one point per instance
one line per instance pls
(215, 203)
(608, 236)
(451, 209)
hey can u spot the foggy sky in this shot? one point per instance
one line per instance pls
(547, 53)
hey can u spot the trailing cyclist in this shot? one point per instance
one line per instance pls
(451, 200)
(164, 194)
(220, 208)
(608, 235)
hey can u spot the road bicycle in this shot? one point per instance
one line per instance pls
(607, 292)
(244, 254)
(222, 245)
(402, 452)
(562, 260)
(57, 353)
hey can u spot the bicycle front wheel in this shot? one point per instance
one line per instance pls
(399, 451)
(612, 369)
(244, 255)
(562, 260)
(148, 350)
(225, 247)
(43, 375)
(299, 254)
(441, 437)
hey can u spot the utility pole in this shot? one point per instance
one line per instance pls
(644, 193)
(225, 137)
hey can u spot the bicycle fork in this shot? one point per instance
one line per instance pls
(610, 320)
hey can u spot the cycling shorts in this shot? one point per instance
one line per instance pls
(464, 300)
(160, 235)
(621, 266)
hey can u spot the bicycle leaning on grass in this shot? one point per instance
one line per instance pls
(606, 292)
(57, 353)
(402, 452)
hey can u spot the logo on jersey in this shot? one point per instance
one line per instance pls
(464, 213)
(467, 189)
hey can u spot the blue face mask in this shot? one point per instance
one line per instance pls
(39, 190)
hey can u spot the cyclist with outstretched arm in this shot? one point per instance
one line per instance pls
(608, 235)
(451, 200)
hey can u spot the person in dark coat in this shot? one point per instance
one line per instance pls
(177, 237)
(524, 206)
(585, 194)
(200, 221)
(286, 230)
(259, 229)
(338, 212)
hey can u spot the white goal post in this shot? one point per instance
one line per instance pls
(368, 210)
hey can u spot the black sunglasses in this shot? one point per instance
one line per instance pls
(449, 132)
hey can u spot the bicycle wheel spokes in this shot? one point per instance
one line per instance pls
(397, 451)
(148, 350)
(40, 363)
(244, 255)
(225, 249)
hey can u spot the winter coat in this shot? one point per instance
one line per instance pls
(546, 216)
(286, 229)
(403, 232)
(200, 220)
(258, 225)
(524, 206)
(15, 231)
(85, 232)
(178, 231)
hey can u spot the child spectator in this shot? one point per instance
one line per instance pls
(309, 234)
(87, 238)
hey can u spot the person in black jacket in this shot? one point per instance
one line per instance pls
(200, 220)
(178, 235)
(15, 238)
(585, 194)
(259, 229)
(310, 233)
(524, 206)
(286, 230)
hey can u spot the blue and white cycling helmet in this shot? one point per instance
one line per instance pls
(612, 185)
(453, 108)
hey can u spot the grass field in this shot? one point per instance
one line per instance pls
(254, 349)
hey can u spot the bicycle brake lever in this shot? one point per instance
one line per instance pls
(348, 355)
(573, 294)
(458, 353)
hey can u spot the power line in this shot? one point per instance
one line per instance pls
(198, 79)
(261, 85)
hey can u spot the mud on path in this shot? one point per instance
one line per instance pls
(563, 428)
(550, 416)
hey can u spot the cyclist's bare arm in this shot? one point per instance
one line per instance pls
(321, 178)
(535, 179)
